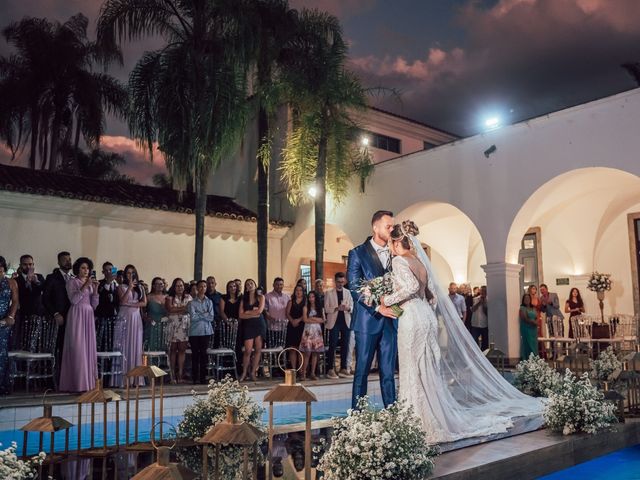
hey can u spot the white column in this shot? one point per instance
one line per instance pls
(503, 294)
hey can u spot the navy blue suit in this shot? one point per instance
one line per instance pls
(373, 332)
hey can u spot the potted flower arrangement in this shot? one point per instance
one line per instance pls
(15, 469)
(535, 377)
(606, 363)
(600, 283)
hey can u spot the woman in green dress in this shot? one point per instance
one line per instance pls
(156, 318)
(528, 328)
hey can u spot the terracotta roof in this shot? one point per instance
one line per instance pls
(38, 182)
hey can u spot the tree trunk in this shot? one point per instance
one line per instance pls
(263, 200)
(320, 205)
(201, 210)
(76, 143)
(53, 153)
(35, 122)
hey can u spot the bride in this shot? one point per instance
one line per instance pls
(452, 387)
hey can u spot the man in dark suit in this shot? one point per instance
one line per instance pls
(376, 328)
(56, 300)
(30, 288)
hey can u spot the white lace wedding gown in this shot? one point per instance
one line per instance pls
(452, 387)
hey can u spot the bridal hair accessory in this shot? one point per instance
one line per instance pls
(407, 229)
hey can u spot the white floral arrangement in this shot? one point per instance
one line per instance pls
(371, 444)
(12, 468)
(535, 377)
(606, 363)
(577, 406)
(599, 282)
(211, 410)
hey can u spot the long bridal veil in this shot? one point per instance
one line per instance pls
(472, 381)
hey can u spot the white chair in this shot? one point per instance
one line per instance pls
(158, 358)
(276, 338)
(110, 361)
(225, 351)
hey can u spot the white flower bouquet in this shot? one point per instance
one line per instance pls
(577, 406)
(211, 410)
(371, 444)
(372, 291)
(12, 468)
(534, 377)
(605, 365)
(599, 282)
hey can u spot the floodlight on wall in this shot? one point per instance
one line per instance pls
(490, 150)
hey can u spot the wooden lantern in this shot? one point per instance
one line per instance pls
(291, 391)
(616, 398)
(496, 357)
(163, 469)
(230, 432)
(151, 373)
(630, 380)
(98, 395)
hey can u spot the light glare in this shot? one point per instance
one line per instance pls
(492, 122)
(312, 191)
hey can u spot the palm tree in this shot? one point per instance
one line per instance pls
(96, 163)
(190, 95)
(321, 150)
(48, 88)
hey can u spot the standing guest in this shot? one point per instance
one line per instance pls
(8, 309)
(238, 284)
(31, 309)
(230, 302)
(338, 306)
(574, 306)
(201, 313)
(295, 327)
(120, 277)
(480, 319)
(468, 301)
(193, 288)
(303, 283)
(458, 301)
(253, 328)
(213, 294)
(79, 368)
(319, 289)
(275, 309)
(528, 328)
(132, 298)
(156, 312)
(107, 310)
(178, 328)
(550, 304)
(476, 292)
(535, 303)
(312, 343)
(56, 300)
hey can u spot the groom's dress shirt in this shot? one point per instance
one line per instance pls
(383, 254)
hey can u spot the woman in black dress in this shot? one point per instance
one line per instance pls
(574, 306)
(254, 328)
(295, 327)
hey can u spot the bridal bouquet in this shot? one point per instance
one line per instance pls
(371, 444)
(372, 291)
(599, 282)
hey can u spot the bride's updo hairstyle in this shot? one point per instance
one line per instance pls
(402, 231)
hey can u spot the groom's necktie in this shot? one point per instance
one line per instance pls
(385, 251)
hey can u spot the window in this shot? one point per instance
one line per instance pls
(383, 142)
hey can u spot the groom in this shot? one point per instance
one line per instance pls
(376, 329)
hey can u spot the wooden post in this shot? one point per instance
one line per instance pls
(135, 435)
(66, 442)
(117, 424)
(53, 447)
(307, 445)
(245, 462)
(255, 461)
(93, 423)
(104, 426)
(41, 435)
(126, 442)
(216, 473)
(24, 444)
(161, 405)
(153, 408)
(205, 463)
(51, 456)
(270, 455)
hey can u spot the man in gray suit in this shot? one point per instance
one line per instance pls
(549, 302)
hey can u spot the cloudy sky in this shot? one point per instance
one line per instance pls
(455, 62)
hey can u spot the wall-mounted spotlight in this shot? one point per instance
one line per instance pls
(490, 150)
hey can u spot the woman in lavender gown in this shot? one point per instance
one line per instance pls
(79, 369)
(132, 299)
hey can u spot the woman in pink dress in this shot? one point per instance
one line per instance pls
(132, 298)
(79, 368)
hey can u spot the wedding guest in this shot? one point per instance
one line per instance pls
(254, 328)
(193, 288)
(154, 315)
(574, 306)
(312, 343)
(303, 283)
(230, 302)
(528, 328)
(178, 328)
(31, 310)
(295, 327)
(458, 301)
(535, 303)
(275, 310)
(120, 277)
(56, 300)
(468, 300)
(79, 368)
(338, 305)
(213, 294)
(238, 284)
(480, 320)
(319, 289)
(8, 310)
(550, 304)
(107, 309)
(476, 291)
(132, 298)
(201, 314)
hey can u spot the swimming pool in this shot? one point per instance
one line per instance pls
(620, 465)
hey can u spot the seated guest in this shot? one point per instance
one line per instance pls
(153, 325)
(31, 309)
(201, 315)
(178, 328)
(574, 306)
(528, 328)
(338, 305)
(275, 309)
(79, 368)
(107, 309)
(312, 343)
(295, 327)
(8, 309)
(254, 329)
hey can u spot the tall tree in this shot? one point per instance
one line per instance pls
(189, 96)
(48, 88)
(322, 151)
